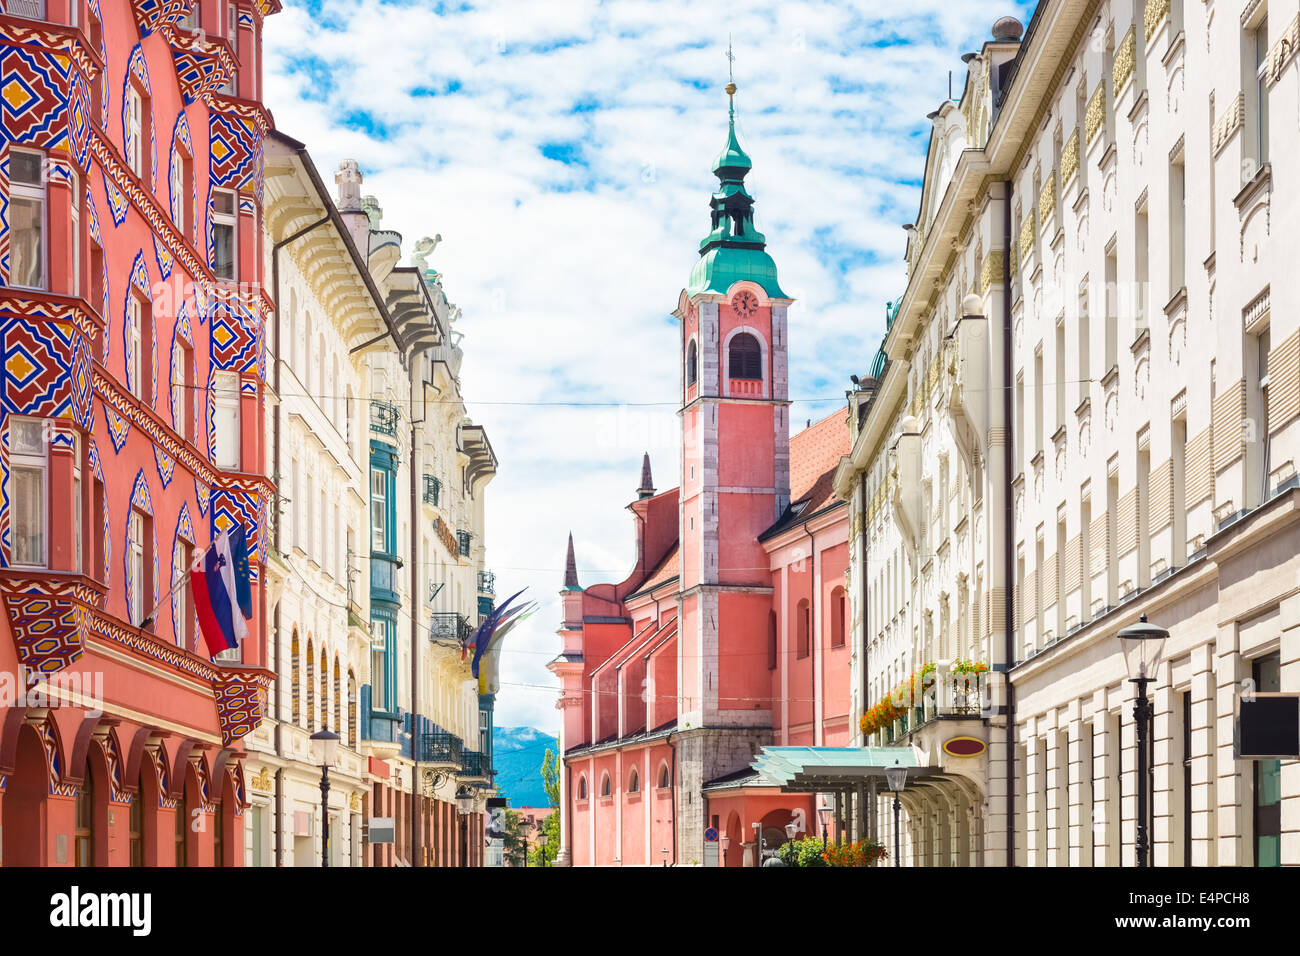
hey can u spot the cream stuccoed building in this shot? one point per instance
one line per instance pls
(378, 570)
(1086, 408)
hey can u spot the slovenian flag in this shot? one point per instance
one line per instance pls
(222, 595)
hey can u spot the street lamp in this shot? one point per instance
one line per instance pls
(896, 777)
(664, 851)
(324, 748)
(758, 843)
(726, 842)
(824, 814)
(541, 845)
(1143, 643)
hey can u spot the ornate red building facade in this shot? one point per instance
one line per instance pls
(132, 319)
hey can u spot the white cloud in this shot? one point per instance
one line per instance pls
(567, 274)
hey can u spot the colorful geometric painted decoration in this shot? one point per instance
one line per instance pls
(234, 337)
(201, 494)
(49, 621)
(117, 201)
(151, 15)
(118, 427)
(33, 103)
(231, 505)
(164, 258)
(138, 70)
(103, 74)
(182, 146)
(202, 68)
(97, 467)
(42, 366)
(166, 465)
(104, 312)
(241, 702)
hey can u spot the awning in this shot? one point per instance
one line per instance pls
(814, 769)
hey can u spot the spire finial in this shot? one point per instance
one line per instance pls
(731, 81)
(571, 567)
(647, 489)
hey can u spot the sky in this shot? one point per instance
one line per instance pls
(563, 152)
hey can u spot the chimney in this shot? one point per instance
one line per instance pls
(349, 179)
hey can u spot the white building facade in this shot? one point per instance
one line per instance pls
(1086, 409)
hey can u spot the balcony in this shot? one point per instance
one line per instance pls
(474, 768)
(441, 747)
(448, 627)
(432, 490)
(462, 543)
(383, 418)
(939, 695)
(383, 577)
(487, 582)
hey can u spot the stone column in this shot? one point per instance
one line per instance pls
(1234, 791)
(1077, 773)
(1165, 839)
(1205, 844)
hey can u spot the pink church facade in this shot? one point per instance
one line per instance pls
(729, 634)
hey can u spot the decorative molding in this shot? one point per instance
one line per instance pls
(1228, 123)
(1070, 159)
(1047, 200)
(1283, 51)
(1255, 315)
(1125, 62)
(1155, 14)
(991, 271)
(1095, 117)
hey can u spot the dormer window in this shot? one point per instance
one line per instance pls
(745, 357)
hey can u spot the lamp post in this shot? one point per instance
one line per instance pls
(664, 851)
(541, 844)
(758, 843)
(1143, 643)
(896, 777)
(824, 814)
(324, 748)
(725, 841)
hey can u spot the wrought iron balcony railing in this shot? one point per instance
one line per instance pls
(449, 626)
(442, 747)
(383, 418)
(487, 582)
(432, 489)
(473, 765)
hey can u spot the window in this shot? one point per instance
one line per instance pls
(744, 357)
(85, 820)
(1085, 342)
(839, 617)
(226, 425)
(1061, 374)
(771, 640)
(1144, 516)
(1085, 558)
(182, 394)
(232, 22)
(1179, 442)
(1112, 308)
(663, 777)
(1039, 413)
(379, 665)
(378, 510)
(224, 242)
(1267, 672)
(1257, 447)
(1177, 226)
(29, 474)
(182, 558)
(1020, 438)
(135, 829)
(182, 829)
(140, 338)
(135, 554)
(1112, 533)
(31, 9)
(74, 208)
(311, 685)
(605, 786)
(182, 186)
(1260, 60)
(634, 782)
(295, 673)
(190, 19)
(138, 117)
(1142, 272)
(692, 357)
(101, 569)
(582, 787)
(803, 626)
(27, 220)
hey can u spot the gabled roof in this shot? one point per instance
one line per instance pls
(669, 568)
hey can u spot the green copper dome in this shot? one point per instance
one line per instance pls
(734, 249)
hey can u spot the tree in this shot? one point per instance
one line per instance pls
(544, 854)
(514, 843)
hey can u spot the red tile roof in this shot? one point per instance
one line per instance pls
(815, 453)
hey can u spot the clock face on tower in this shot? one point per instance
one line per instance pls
(745, 304)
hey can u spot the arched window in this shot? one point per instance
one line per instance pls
(605, 787)
(582, 787)
(182, 829)
(311, 687)
(294, 667)
(634, 782)
(692, 363)
(839, 617)
(771, 640)
(803, 626)
(338, 700)
(352, 709)
(744, 357)
(324, 688)
(663, 777)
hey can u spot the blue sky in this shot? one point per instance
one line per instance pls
(563, 153)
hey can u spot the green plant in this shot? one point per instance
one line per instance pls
(863, 853)
(805, 852)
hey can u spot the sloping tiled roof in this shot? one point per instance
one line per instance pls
(815, 453)
(669, 568)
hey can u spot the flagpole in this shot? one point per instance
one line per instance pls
(149, 618)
